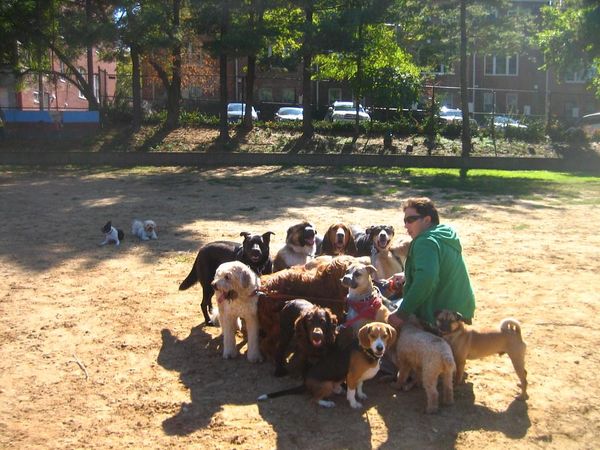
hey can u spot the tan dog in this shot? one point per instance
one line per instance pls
(365, 302)
(354, 363)
(236, 287)
(428, 356)
(470, 344)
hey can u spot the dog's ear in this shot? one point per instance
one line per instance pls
(369, 230)
(246, 234)
(392, 229)
(460, 317)
(371, 269)
(300, 329)
(327, 245)
(267, 237)
(351, 248)
(363, 336)
(245, 279)
(332, 323)
(392, 334)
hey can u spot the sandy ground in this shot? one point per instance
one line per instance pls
(99, 349)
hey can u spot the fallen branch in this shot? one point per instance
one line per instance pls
(81, 366)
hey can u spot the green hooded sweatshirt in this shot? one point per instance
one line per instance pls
(436, 276)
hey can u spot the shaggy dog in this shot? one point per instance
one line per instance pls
(300, 246)
(311, 327)
(353, 363)
(236, 287)
(428, 356)
(468, 343)
(365, 302)
(321, 284)
(338, 240)
(111, 234)
(145, 230)
(377, 242)
(253, 251)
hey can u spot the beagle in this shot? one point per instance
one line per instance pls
(354, 363)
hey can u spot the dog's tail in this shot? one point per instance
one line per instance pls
(190, 280)
(511, 326)
(291, 391)
(120, 234)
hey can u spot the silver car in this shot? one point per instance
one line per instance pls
(235, 112)
(289, 113)
(346, 112)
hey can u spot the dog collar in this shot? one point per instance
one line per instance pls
(375, 293)
(371, 354)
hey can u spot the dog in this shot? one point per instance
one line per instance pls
(313, 328)
(338, 240)
(237, 289)
(365, 302)
(428, 356)
(145, 230)
(253, 251)
(111, 234)
(354, 363)
(377, 242)
(301, 245)
(467, 343)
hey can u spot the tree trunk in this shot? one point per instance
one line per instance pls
(92, 100)
(464, 93)
(249, 92)
(307, 126)
(223, 124)
(174, 90)
(136, 89)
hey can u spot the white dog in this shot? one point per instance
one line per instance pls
(236, 288)
(144, 230)
(111, 234)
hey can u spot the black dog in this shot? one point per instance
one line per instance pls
(254, 252)
(375, 238)
(314, 329)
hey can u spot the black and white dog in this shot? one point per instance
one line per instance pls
(253, 251)
(145, 230)
(112, 235)
(377, 242)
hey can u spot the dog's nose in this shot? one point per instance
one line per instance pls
(340, 236)
(379, 347)
(347, 280)
(309, 232)
(255, 251)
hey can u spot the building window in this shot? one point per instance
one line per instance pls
(488, 102)
(194, 92)
(443, 69)
(501, 65)
(578, 76)
(36, 97)
(572, 110)
(288, 95)
(62, 69)
(265, 94)
(512, 103)
(334, 94)
(83, 74)
(97, 86)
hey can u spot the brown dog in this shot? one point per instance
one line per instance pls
(467, 343)
(428, 356)
(354, 363)
(338, 240)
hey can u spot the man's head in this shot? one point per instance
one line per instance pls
(420, 214)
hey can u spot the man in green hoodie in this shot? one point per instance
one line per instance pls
(435, 276)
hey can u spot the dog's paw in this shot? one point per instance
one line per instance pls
(361, 395)
(230, 355)
(356, 404)
(326, 403)
(255, 358)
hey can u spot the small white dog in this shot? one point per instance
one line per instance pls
(237, 288)
(111, 234)
(144, 230)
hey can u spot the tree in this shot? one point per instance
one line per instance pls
(569, 37)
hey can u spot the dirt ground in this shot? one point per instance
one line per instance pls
(99, 349)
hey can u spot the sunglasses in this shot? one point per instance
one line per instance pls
(411, 219)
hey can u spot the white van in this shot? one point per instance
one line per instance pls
(590, 124)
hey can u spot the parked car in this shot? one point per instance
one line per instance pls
(590, 124)
(505, 121)
(346, 112)
(454, 115)
(289, 113)
(236, 111)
